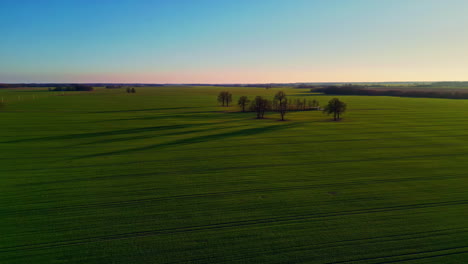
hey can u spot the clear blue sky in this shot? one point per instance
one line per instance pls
(225, 41)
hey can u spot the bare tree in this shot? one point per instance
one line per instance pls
(335, 107)
(260, 105)
(225, 98)
(281, 103)
(243, 102)
(228, 98)
(221, 99)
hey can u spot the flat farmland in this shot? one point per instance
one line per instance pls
(166, 175)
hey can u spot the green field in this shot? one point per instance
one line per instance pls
(167, 176)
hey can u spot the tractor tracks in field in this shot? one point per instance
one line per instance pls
(252, 253)
(426, 254)
(238, 167)
(124, 203)
(279, 220)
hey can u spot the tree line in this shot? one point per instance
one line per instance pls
(72, 87)
(107, 85)
(281, 104)
(360, 90)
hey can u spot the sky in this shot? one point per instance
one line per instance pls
(233, 41)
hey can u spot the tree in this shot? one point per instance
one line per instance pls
(335, 107)
(315, 103)
(228, 98)
(225, 98)
(260, 105)
(243, 101)
(221, 98)
(282, 103)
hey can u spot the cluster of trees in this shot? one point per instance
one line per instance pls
(72, 87)
(302, 105)
(225, 98)
(360, 90)
(281, 104)
(131, 90)
(260, 105)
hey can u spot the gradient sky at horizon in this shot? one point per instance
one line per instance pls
(233, 41)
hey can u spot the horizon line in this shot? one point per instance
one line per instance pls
(240, 83)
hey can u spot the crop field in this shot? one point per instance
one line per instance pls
(166, 175)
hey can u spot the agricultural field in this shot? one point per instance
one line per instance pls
(166, 175)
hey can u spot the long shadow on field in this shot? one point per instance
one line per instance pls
(184, 132)
(192, 115)
(143, 110)
(109, 133)
(192, 140)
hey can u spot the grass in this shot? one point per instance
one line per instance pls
(167, 176)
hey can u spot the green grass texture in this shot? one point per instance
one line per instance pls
(166, 175)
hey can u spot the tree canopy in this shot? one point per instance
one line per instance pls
(335, 107)
(260, 105)
(225, 98)
(243, 101)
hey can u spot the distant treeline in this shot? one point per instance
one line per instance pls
(73, 87)
(443, 84)
(135, 85)
(263, 85)
(107, 85)
(306, 86)
(18, 85)
(259, 85)
(361, 90)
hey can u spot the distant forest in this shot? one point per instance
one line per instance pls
(407, 92)
(115, 85)
(73, 87)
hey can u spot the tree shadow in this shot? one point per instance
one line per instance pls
(184, 132)
(146, 109)
(109, 133)
(199, 139)
(185, 115)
